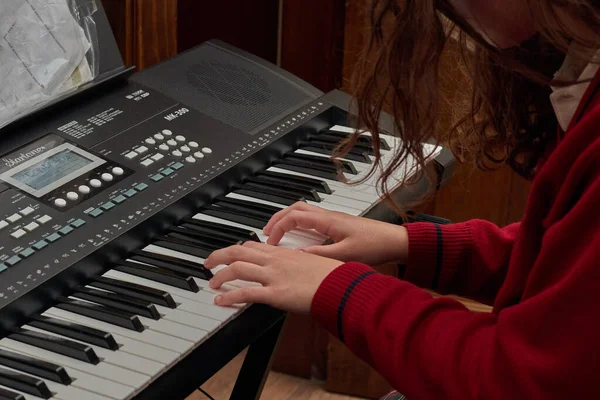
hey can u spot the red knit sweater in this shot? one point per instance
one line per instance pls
(542, 340)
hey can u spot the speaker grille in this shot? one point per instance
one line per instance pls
(229, 88)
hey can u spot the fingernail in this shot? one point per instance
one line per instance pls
(218, 299)
(302, 250)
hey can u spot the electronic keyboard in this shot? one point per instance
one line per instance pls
(112, 200)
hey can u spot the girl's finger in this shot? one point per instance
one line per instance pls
(253, 294)
(301, 206)
(235, 253)
(239, 270)
(337, 251)
(296, 219)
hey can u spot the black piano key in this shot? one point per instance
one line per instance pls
(202, 238)
(118, 301)
(217, 229)
(33, 366)
(211, 232)
(268, 209)
(183, 245)
(109, 315)
(24, 383)
(172, 263)
(316, 184)
(75, 331)
(364, 143)
(354, 154)
(156, 296)
(6, 394)
(243, 210)
(307, 193)
(302, 167)
(56, 344)
(346, 166)
(274, 196)
(366, 139)
(234, 216)
(161, 275)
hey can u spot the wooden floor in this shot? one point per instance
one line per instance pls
(278, 387)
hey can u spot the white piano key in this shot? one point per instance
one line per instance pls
(147, 336)
(145, 350)
(338, 188)
(336, 207)
(288, 241)
(365, 189)
(27, 396)
(190, 319)
(346, 129)
(64, 392)
(105, 386)
(208, 310)
(103, 370)
(202, 283)
(156, 285)
(309, 234)
(118, 357)
(170, 328)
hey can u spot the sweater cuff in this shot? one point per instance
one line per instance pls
(330, 299)
(435, 253)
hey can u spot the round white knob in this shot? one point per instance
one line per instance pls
(177, 153)
(150, 141)
(172, 143)
(158, 136)
(72, 196)
(167, 132)
(207, 150)
(60, 203)
(185, 149)
(193, 145)
(83, 189)
(198, 155)
(95, 183)
(190, 159)
(163, 147)
(180, 138)
(106, 177)
(118, 171)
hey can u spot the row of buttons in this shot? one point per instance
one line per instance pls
(190, 159)
(15, 217)
(166, 172)
(96, 212)
(84, 189)
(151, 160)
(18, 234)
(136, 152)
(53, 237)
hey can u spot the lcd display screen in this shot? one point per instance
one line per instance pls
(46, 172)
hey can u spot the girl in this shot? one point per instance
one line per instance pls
(535, 106)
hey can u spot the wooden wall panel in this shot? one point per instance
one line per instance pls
(249, 25)
(312, 45)
(155, 31)
(120, 15)
(146, 30)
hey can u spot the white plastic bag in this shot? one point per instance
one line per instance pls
(47, 48)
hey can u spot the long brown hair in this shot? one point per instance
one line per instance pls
(509, 118)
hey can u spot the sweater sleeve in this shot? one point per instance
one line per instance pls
(469, 259)
(545, 347)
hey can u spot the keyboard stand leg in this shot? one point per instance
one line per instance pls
(257, 364)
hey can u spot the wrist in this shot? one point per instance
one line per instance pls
(400, 244)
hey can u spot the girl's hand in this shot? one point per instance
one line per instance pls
(356, 239)
(289, 278)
